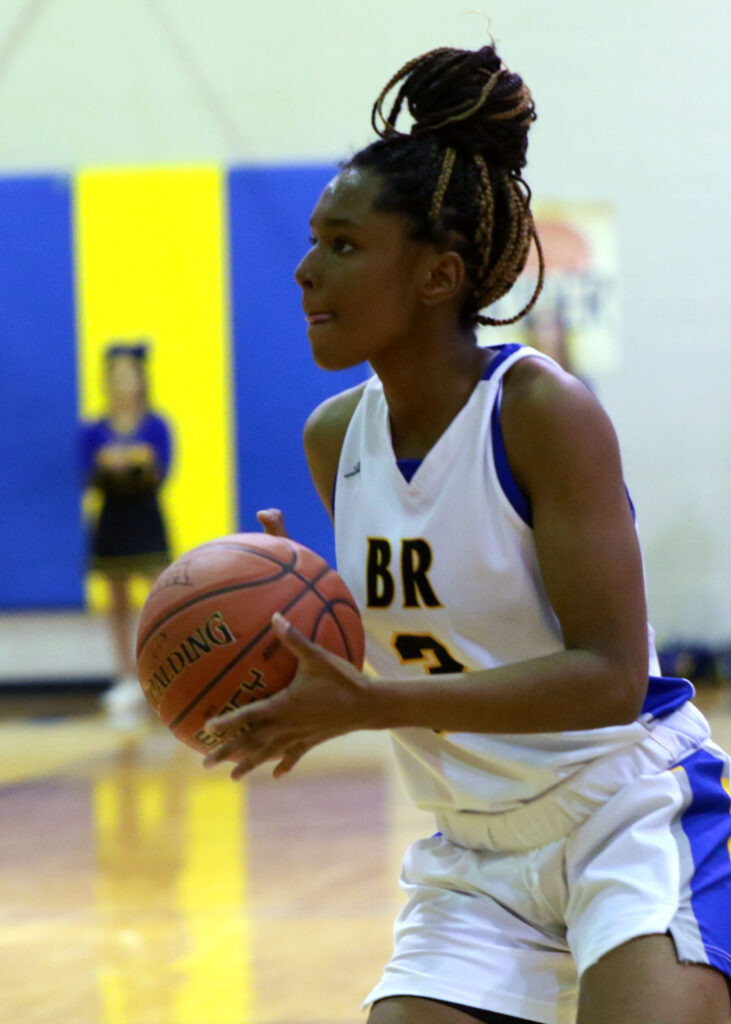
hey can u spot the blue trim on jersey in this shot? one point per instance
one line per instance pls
(408, 467)
(519, 500)
(631, 504)
(707, 824)
(666, 694)
(503, 352)
(513, 493)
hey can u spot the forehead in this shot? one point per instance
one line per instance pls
(124, 364)
(349, 196)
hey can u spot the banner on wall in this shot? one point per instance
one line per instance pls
(576, 318)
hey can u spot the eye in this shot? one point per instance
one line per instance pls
(342, 245)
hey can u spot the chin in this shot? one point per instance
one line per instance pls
(331, 362)
(327, 359)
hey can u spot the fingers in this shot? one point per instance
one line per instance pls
(290, 759)
(233, 727)
(272, 521)
(261, 751)
(252, 747)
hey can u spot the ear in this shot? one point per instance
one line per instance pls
(444, 279)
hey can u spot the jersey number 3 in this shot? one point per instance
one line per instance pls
(423, 647)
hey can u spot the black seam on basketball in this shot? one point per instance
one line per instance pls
(289, 567)
(203, 597)
(308, 587)
(252, 549)
(328, 610)
(329, 602)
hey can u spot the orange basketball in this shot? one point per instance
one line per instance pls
(205, 643)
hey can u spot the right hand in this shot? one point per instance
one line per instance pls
(272, 520)
(112, 458)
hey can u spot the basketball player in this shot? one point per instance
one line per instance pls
(581, 870)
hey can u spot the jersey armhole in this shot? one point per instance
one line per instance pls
(519, 501)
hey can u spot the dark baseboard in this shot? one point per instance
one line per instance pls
(58, 686)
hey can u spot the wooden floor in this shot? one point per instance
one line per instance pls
(135, 888)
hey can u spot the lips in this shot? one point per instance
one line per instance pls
(318, 318)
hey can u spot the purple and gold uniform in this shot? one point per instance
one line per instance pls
(129, 535)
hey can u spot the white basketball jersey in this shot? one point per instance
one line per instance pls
(445, 572)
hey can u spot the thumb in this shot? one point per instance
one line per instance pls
(272, 521)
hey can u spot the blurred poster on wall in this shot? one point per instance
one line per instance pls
(576, 317)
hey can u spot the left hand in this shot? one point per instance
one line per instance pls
(327, 697)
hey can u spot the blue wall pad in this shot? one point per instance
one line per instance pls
(277, 384)
(41, 540)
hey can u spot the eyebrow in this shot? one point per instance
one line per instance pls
(338, 222)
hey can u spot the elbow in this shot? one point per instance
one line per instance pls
(628, 689)
(617, 688)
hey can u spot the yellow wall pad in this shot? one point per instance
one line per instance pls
(151, 263)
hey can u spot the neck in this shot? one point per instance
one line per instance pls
(127, 412)
(426, 383)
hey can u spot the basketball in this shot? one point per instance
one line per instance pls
(205, 644)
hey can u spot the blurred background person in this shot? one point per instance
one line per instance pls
(126, 457)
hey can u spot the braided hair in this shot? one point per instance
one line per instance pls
(457, 174)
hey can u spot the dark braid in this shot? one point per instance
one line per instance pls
(458, 172)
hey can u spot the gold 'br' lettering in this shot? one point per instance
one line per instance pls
(416, 560)
(380, 585)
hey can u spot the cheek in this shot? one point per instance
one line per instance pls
(384, 296)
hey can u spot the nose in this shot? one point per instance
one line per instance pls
(303, 274)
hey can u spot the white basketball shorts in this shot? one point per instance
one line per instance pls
(500, 919)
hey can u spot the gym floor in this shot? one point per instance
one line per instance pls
(139, 889)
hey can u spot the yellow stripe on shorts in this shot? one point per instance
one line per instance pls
(151, 263)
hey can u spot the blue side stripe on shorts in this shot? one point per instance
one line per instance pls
(707, 824)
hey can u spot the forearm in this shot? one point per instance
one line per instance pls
(569, 690)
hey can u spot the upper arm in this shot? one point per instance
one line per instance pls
(323, 438)
(90, 443)
(161, 441)
(564, 454)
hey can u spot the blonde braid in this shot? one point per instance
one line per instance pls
(459, 113)
(500, 280)
(477, 166)
(389, 123)
(486, 217)
(450, 155)
(528, 234)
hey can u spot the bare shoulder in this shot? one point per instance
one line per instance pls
(548, 414)
(323, 437)
(540, 383)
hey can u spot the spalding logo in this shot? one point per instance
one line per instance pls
(214, 633)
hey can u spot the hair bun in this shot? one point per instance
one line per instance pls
(466, 99)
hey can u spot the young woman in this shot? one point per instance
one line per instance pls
(582, 868)
(126, 456)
